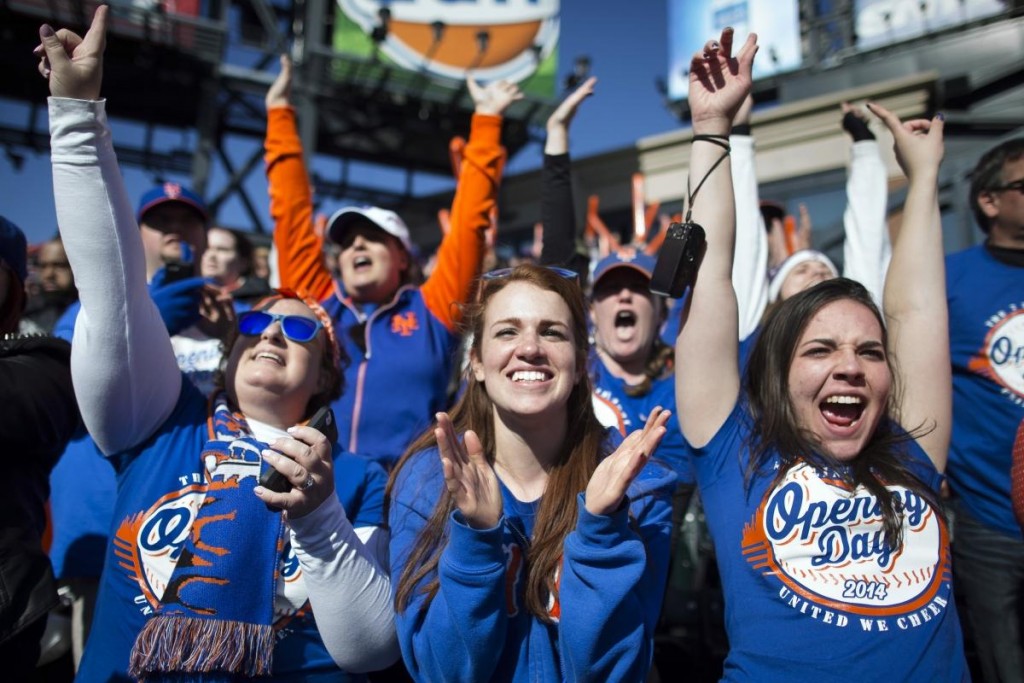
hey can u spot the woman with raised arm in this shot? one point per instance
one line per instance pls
(398, 333)
(866, 248)
(209, 576)
(629, 366)
(831, 545)
(523, 548)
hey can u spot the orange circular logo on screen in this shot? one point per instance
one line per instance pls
(443, 37)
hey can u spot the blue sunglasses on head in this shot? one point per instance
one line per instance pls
(294, 327)
(505, 272)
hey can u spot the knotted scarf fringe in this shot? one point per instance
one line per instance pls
(188, 644)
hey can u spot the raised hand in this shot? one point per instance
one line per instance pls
(558, 123)
(562, 116)
(493, 98)
(613, 476)
(719, 82)
(855, 122)
(305, 459)
(73, 65)
(468, 476)
(918, 143)
(280, 91)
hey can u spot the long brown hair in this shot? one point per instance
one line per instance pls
(884, 459)
(581, 452)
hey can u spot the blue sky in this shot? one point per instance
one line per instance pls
(628, 50)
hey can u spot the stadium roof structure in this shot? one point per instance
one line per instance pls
(207, 75)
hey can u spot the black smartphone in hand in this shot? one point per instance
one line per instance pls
(322, 421)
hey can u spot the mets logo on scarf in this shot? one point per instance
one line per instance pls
(1001, 358)
(149, 543)
(826, 547)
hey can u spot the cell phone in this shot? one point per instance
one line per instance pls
(678, 259)
(181, 269)
(322, 421)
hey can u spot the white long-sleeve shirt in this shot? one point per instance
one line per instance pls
(866, 249)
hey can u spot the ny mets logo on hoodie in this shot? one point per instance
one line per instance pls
(825, 547)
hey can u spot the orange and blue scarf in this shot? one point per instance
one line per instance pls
(215, 617)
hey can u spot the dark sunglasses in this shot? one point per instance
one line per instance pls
(505, 272)
(294, 327)
(1017, 185)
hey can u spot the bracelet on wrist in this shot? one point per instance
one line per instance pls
(720, 140)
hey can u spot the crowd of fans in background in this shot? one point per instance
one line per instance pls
(540, 470)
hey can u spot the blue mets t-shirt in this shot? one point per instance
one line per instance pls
(812, 591)
(986, 345)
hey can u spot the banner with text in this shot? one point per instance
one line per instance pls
(880, 22)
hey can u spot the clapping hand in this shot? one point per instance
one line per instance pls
(615, 473)
(468, 476)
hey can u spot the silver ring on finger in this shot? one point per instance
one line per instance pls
(308, 484)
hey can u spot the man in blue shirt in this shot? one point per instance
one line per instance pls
(985, 290)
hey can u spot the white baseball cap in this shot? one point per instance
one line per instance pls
(777, 277)
(386, 220)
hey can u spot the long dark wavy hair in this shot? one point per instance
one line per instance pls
(581, 452)
(884, 459)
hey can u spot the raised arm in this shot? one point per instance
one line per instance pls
(915, 289)
(557, 209)
(707, 371)
(750, 261)
(461, 252)
(125, 374)
(866, 249)
(300, 258)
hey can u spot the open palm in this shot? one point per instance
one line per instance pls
(719, 82)
(468, 476)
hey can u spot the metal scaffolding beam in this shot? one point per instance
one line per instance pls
(207, 75)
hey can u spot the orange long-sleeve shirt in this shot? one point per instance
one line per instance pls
(299, 249)
(410, 341)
